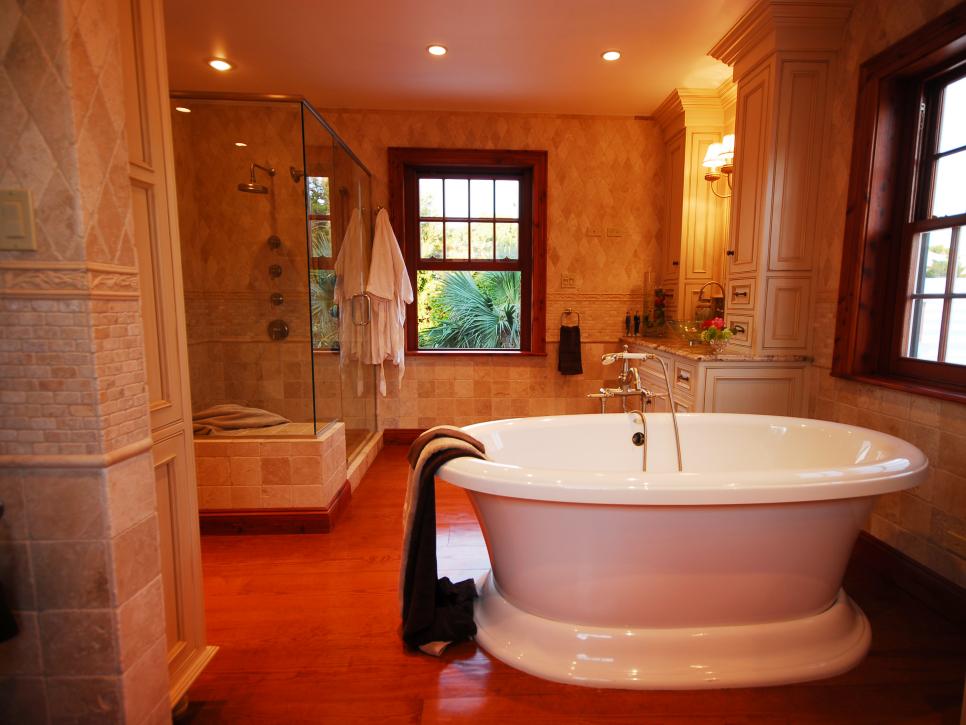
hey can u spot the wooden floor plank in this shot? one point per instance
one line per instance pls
(308, 631)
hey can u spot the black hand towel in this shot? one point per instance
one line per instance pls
(8, 625)
(568, 361)
(435, 611)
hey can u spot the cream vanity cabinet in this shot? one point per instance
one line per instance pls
(735, 383)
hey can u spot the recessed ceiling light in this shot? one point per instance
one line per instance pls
(240, 144)
(182, 109)
(436, 49)
(611, 55)
(220, 64)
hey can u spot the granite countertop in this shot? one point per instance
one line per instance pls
(674, 345)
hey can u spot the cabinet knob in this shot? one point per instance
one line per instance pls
(675, 263)
(739, 293)
(730, 252)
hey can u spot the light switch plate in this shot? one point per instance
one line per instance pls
(17, 232)
(567, 281)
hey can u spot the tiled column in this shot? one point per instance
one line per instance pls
(79, 549)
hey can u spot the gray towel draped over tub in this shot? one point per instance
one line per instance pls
(435, 612)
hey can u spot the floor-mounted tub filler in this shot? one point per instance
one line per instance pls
(727, 574)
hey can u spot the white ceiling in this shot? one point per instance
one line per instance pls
(536, 56)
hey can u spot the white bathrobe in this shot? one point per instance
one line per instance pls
(350, 280)
(390, 290)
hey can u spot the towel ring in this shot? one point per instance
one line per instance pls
(569, 311)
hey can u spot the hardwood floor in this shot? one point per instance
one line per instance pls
(307, 627)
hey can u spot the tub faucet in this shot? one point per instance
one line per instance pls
(610, 358)
(629, 377)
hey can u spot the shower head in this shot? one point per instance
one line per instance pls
(253, 188)
(250, 186)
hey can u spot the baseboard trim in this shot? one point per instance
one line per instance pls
(938, 593)
(220, 522)
(400, 436)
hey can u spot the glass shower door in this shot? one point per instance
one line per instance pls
(339, 222)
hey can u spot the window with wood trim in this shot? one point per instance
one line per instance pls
(473, 229)
(902, 302)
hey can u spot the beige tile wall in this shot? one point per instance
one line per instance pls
(79, 554)
(603, 173)
(266, 473)
(929, 522)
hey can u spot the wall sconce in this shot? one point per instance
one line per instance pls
(720, 159)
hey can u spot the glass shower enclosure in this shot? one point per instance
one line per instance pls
(269, 197)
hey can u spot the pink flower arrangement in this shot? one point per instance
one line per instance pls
(714, 330)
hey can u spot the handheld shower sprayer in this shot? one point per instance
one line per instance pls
(611, 357)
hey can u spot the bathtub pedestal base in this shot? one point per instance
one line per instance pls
(754, 655)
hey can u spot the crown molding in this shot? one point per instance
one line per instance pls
(771, 26)
(689, 108)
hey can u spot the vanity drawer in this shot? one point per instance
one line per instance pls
(685, 377)
(653, 368)
(740, 326)
(741, 294)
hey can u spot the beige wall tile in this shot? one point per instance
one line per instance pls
(277, 496)
(244, 497)
(65, 505)
(276, 471)
(213, 471)
(78, 642)
(245, 471)
(131, 492)
(136, 558)
(85, 699)
(306, 470)
(71, 574)
(140, 623)
(146, 682)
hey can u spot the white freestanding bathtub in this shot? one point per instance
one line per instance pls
(725, 575)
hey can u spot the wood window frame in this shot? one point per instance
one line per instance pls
(884, 212)
(405, 163)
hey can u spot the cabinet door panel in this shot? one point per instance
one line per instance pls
(794, 200)
(675, 195)
(752, 143)
(765, 391)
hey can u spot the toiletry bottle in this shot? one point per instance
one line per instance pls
(637, 323)
(627, 324)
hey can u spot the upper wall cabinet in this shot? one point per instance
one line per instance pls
(780, 53)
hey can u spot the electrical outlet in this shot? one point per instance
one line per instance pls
(567, 281)
(17, 220)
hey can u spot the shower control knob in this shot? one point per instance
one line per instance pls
(638, 438)
(275, 271)
(278, 329)
(274, 242)
(277, 298)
